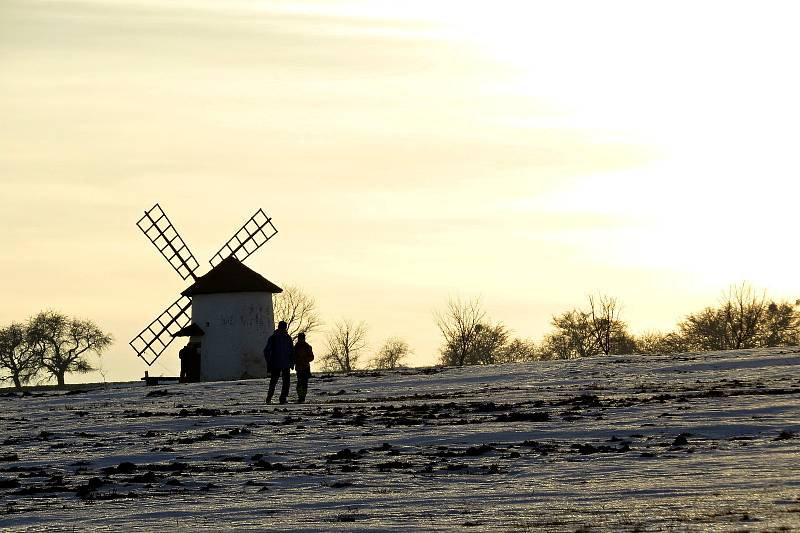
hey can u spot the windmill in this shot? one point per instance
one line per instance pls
(228, 310)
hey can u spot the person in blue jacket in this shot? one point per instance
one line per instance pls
(279, 354)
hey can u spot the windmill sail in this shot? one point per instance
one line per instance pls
(255, 232)
(158, 228)
(154, 339)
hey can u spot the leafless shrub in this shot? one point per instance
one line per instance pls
(346, 344)
(391, 354)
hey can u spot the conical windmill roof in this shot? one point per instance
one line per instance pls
(231, 276)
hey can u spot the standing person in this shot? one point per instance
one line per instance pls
(190, 362)
(279, 354)
(303, 355)
(185, 356)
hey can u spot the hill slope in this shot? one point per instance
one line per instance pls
(693, 442)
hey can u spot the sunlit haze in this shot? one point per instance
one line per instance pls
(529, 153)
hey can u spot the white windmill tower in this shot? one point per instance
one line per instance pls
(231, 305)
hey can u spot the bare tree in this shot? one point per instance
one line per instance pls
(297, 309)
(577, 334)
(596, 331)
(730, 326)
(781, 325)
(18, 356)
(391, 354)
(64, 343)
(490, 344)
(743, 319)
(604, 321)
(346, 343)
(742, 312)
(470, 338)
(460, 324)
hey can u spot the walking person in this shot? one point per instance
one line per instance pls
(279, 355)
(303, 355)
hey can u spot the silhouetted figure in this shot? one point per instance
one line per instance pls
(303, 355)
(190, 362)
(279, 355)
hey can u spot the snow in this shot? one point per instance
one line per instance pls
(421, 449)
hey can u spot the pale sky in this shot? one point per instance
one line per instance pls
(526, 152)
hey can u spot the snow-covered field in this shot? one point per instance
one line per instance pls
(699, 442)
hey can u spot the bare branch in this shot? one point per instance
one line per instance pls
(460, 325)
(297, 309)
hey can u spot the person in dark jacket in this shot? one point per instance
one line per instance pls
(190, 362)
(279, 354)
(185, 355)
(303, 355)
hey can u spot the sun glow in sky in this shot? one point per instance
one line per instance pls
(528, 152)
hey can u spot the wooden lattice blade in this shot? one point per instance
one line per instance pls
(162, 233)
(251, 236)
(151, 342)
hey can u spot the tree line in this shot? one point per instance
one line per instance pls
(743, 318)
(49, 346)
